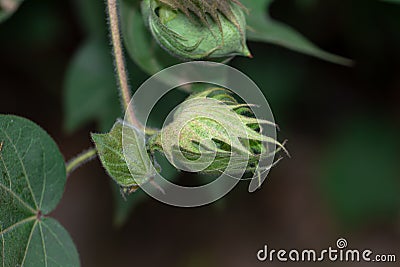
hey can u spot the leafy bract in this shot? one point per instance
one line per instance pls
(32, 179)
(209, 130)
(123, 154)
(139, 42)
(179, 34)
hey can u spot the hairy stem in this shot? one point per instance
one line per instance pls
(122, 76)
(81, 159)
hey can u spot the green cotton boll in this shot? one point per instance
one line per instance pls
(209, 130)
(196, 36)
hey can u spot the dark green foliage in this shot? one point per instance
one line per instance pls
(262, 28)
(90, 91)
(32, 179)
(360, 173)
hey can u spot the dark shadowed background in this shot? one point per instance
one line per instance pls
(342, 123)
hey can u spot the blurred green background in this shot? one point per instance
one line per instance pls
(342, 123)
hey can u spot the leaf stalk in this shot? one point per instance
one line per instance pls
(81, 159)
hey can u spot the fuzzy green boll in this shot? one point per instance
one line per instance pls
(211, 129)
(198, 29)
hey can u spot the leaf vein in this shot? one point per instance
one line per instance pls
(18, 198)
(44, 178)
(43, 245)
(58, 240)
(8, 229)
(22, 165)
(4, 245)
(7, 172)
(27, 149)
(28, 243)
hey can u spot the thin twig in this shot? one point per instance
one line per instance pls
(122, 76)
(81, 159)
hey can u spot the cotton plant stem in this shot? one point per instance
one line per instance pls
(81, 159)
(121, 72)
(123, 85)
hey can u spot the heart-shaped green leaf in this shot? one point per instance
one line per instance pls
(139, 42)
(264, 29)
(8, 7)
(32, 180)
(124, 157)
